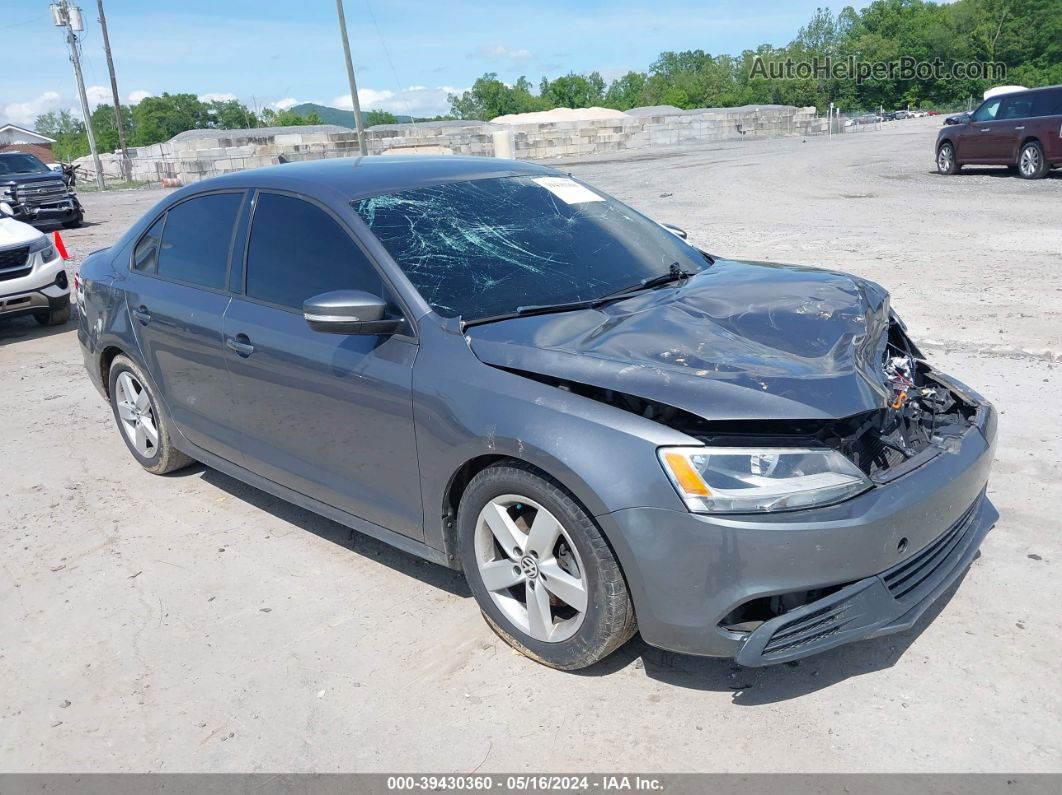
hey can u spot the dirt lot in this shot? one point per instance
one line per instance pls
(190, 623)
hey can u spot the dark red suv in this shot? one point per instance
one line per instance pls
(1021, 130)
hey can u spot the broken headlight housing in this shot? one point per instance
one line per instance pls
(760, 479)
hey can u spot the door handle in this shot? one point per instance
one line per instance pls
(141, 313)
(240, 345)
(1020, 128)
(985, 129)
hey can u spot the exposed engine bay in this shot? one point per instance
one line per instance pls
(922, 409)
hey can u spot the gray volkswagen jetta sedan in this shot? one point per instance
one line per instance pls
(499, 368)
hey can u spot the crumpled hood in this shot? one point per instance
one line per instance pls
(737, 341)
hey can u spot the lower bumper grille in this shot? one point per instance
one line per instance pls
(903, 580)
(887, 602)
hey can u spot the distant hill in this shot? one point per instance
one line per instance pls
(344, 118)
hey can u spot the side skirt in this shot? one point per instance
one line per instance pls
(396, 540)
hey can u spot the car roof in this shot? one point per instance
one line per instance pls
(1023, 91)
(357, 177)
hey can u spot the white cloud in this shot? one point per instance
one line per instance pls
(284, 104)
(217, 97)
(98, 95)
(25, 113)
(135, 97)
(501, 53)
(412, 101)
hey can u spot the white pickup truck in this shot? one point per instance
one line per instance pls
(33, 277)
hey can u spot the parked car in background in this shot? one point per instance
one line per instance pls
(37, 194)
(903, 114)
(33, 278)
(499, 368)
(1021, 130)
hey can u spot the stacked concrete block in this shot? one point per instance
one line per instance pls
(199, 154)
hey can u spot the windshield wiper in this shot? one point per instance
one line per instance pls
(674, 274)
(535, 309)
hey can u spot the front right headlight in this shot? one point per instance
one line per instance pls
(43, 245)
(758, 479)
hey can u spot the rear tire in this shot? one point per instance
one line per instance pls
(54, 317)
(143, 426)
(546, 572)
(1031, 162)
(946, 162)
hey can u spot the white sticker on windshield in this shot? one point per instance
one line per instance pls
(568, 190)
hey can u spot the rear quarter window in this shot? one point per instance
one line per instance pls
(1048, 103)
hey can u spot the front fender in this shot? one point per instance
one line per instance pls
(464, 409)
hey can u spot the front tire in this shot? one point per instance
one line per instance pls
(76, 221)
(1031, 162)
(946, 162)
(543, 574)
(141, 422)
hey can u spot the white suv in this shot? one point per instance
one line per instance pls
(33, 278)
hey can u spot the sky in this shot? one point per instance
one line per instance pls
(408, 54)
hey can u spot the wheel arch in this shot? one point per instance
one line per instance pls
(1028, 139)
(107, 357)
(464, 474)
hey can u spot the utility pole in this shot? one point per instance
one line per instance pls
(350, 77)
(114, 93)
(67, 16)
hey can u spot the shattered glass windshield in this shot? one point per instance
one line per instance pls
(486, 247)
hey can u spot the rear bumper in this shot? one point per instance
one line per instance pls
(687, 571)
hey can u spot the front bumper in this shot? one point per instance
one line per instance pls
(45, 287)
(688, 571)
(57, 212)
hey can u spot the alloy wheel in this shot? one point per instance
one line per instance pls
(944, 158)
(530, 568)
(136, 414)
(1030, 161)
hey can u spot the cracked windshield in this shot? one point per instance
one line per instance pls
(487, 247)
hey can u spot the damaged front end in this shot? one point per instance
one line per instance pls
(924, 414)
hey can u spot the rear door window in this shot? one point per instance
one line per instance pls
(197, 238)
(1016, 108)
(297, 251)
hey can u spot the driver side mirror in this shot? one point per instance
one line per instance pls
(350, 312)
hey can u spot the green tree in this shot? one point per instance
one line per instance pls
(285, 118)
(628, 91)
(374, 117)
(573, 91)
(489, 97)
(71, 140)
(230, 114)
(157, 119)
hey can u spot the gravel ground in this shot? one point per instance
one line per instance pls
(190, 623)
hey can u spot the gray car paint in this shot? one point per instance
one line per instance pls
(684, 570)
